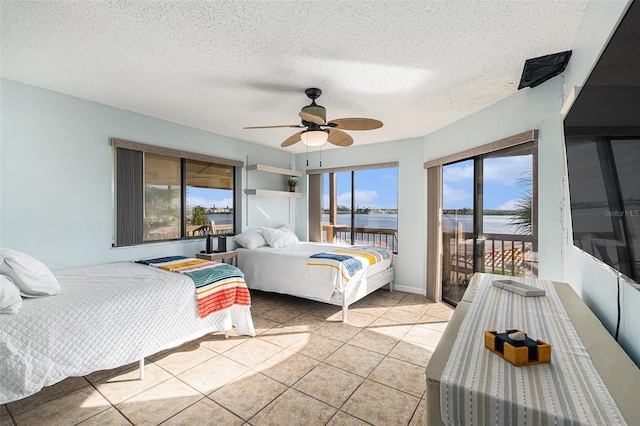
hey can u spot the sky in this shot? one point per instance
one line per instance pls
(378, 188)
(501, 175)
(208, 198)
(375, 188)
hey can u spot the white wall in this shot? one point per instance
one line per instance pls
(56, 176)
(410, 272)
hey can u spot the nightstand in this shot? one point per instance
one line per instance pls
(233, 255)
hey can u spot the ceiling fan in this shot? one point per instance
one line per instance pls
(318, 130)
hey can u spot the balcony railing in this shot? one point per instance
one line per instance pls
(505, 254)
(386, 238)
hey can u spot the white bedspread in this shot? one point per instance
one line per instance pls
(284, 270)
(107, 316)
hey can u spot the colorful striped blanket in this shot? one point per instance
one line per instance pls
(340, 265)
(218, 285)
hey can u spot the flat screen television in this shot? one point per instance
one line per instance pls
(602, 136)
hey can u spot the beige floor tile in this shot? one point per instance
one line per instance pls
(435, 325)
(381, 405)
(218, 343)
(402, 316)
(343, 419)
(325, 311)
(212, 374)
(182, 358)
(384, 298)
(4, 413)
(281, 314)
(329, 384)
(423, 336)
(368, 308)
(284, 335)
(123, 386)
(420, 416)
(441, 310)
(389, 327)
(294, 408)
(418, 309)
(248, 394)
(47, 394)
(316, 346)
(100, 375)
(401, 375)
(355, 360)
(287, 366)
(261, 324)
(338, 331)
(6, 422)
(204, 412)
(416, 299)
(376, 342)
(306, 322)
(68, 409)
(253, 352)
(258, 307)
(159, 403)
(110, 417)
(358, 319)
(412, 352)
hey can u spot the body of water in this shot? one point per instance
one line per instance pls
(380, 221)
(490, 225)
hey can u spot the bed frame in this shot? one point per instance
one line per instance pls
(364, 288)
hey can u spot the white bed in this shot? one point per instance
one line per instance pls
(107, 316)
(284, 270)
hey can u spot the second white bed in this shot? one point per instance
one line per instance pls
(284, 270)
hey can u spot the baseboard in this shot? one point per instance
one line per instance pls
(406, 289)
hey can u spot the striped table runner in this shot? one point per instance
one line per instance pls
(478, 387)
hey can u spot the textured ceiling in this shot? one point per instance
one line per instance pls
(222, 65)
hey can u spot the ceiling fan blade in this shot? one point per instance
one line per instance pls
(340, 138)
(311, 118)
(296, 126)
(356, 123)
(295, 138)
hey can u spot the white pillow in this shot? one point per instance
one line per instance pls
(277, 238)
(288, 230)
(10, 300)
(31, 276)
(250, 239)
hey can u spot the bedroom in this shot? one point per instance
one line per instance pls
(56, 172)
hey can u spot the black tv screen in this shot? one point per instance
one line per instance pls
(602, 136)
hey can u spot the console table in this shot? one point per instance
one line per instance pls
(617, 371)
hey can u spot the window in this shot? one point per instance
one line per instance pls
(164, 194)
(357, 205)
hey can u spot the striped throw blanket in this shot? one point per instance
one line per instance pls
(340, 265)
(217, 285)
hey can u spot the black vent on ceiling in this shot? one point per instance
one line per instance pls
(538, 70)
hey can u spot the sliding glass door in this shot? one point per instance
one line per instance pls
(488, 217)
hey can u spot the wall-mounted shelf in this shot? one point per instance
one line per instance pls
(270, 169)
(270, 193)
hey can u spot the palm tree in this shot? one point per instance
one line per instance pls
(522, 219)
(199, 216)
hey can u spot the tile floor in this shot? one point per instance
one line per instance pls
(304, 367)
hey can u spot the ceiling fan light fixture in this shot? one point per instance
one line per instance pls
(314, 137)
